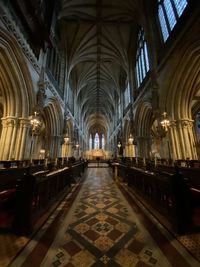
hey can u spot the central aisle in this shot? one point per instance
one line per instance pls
(102, 229)
(99, 229)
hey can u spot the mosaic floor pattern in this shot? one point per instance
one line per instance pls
(103, 230)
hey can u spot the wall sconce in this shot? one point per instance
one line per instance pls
(119, 145)
(42, 154)
(77, 145)
(165, 123)
(35, 127)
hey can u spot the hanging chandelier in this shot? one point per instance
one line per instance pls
(165, 123)
(35, 123)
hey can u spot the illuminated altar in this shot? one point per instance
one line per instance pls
(98, 153)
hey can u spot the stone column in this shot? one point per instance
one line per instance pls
(8, 137)
(63, 150)
(173, 140)
(3, 134)
(100, 141)
(93, 141)
(58, 146)
(186, 135)
(143, 143)
(126, 150)
(54, 145)
(50, 145)
(69, 150)
(22, 139)
(66, 150)
(131, 149)
(12, 152)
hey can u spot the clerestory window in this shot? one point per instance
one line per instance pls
(90, 142)
(169, 11)
(142, 59)
(103, 141)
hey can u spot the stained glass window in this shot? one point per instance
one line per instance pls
(127, 96)
(96, 141)
(90, 142)
(180, 6)
(103, 141)
(169, 12)
(142, 59)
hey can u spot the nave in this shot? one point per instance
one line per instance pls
(98, 224)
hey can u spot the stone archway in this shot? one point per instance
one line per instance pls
(17, 95)
(143, 118)
(181, 91)
(53, 119)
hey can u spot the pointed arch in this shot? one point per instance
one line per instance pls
(18, 98)
(53, 118)
(15, 79)
(184, 82)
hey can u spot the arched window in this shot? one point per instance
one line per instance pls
(90, 142)
(127, 96)
(96, 141)
(103, 142)
(142, 59)
(169, 12)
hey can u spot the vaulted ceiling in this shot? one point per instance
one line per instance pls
(98, 39)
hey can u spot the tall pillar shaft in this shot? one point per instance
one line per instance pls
(23, 144)
(182, 139)
(143, 146)
(14, 138)
(8, 137)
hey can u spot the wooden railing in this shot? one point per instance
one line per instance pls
(167, 193)
(28, 195)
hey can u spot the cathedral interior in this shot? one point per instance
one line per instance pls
(99, 133)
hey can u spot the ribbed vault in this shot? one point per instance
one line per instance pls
(97, 40)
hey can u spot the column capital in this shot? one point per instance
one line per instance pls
(185, 123)
(9, 121)
(24, 122)
(173, 123)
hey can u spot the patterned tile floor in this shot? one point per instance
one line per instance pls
(10, 245)
(101, 229)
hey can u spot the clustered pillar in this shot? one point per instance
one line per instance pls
(14, 138)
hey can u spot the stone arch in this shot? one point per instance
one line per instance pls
(143, 118)
(182, 89)
(16, 84)
(185, 82)
(53, 119)
(126, 130)
(68, 148)
(17, 93)
(196, 118)
(129, 149)
(70, 129)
